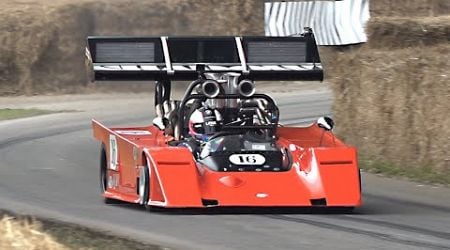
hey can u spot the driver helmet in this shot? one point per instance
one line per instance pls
(203, 123)
(196, 128)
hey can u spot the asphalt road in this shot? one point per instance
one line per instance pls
(49, 167)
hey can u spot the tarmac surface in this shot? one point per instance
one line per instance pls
(49, 168)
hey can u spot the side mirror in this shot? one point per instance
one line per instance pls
(159, 123)
(326, 123)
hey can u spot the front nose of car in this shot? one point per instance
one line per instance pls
(254, 189)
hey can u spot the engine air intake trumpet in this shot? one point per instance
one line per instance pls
(246, 88)
(211, 88)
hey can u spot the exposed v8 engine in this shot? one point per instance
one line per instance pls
(229, 127)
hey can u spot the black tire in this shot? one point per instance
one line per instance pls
(144, 187)
(104, 176)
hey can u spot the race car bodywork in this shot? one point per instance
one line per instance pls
(243, 157)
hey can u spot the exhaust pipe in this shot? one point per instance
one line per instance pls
(246, 88)
(211, 88)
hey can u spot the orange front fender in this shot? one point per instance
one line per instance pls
(175, 178)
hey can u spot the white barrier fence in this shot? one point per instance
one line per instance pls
(333, 22)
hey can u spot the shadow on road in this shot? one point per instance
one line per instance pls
(241, 210)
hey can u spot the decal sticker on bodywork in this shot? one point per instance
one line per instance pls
(113, 156)
(135, 153)
(113, 181)
(262, 195)
(247, 159)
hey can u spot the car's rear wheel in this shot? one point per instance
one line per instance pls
(104, 176)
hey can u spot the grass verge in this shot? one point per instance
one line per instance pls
(24, 232)
(7, 114)
(423, 174)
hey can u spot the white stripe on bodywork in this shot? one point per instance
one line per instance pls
(106, 68)
(152, 68)
(313, 177)
(130, 68)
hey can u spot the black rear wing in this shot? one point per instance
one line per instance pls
(181, 58)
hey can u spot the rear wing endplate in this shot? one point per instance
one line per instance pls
(180, 58)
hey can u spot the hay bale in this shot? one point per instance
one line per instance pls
(403, 32)
(40, 46)
(178, 17)
(393, 104)
(415, 8)
(391, 94)
(43, 42)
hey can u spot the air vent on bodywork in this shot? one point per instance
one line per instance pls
(209, 203)
(336, 162)
(318, 202)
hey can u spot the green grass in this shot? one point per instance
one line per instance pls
(423, 174)
(7, 114)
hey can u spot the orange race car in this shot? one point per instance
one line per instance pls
(221, 144)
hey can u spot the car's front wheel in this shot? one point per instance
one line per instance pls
(104, 175)
(144, 186)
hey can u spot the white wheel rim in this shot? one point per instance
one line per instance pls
(141, 185)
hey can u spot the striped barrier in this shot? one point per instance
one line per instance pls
(333, 22)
